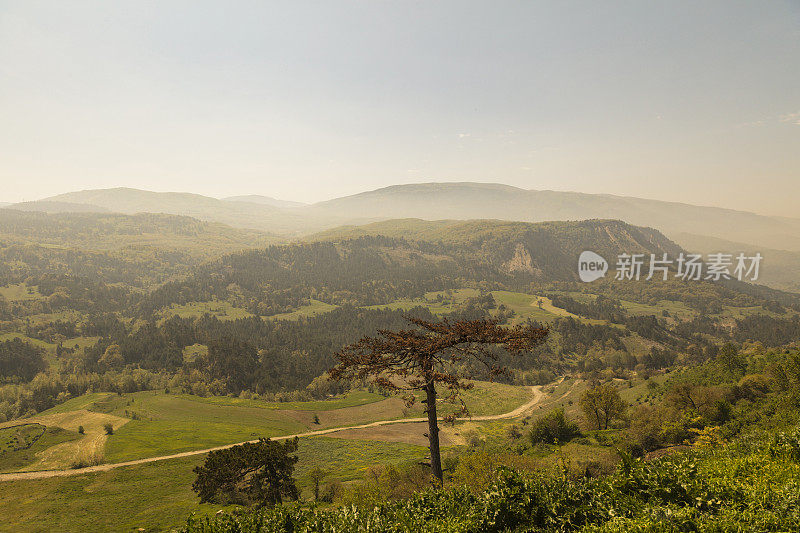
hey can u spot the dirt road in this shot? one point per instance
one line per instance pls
(41, 474)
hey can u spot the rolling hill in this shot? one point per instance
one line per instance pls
(438, 201)
(52, 206)
(240, 214)
(434, 201)
(101, 232)
(781, 267)
(264, 200)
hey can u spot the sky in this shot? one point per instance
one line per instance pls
(697, 102)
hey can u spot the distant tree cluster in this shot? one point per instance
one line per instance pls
(20, 361)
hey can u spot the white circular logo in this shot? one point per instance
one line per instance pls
(591, 266)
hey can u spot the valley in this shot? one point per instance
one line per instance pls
(206, 338)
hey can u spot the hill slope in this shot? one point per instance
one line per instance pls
(48, 206)
(100, 232)
(241, 214)
(437, 201)
(434, 201)
(264, 200)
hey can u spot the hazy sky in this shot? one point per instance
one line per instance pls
(688, 101)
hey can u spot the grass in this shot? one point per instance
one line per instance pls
(347, 460)
(644, 391)
(221, 309)
(158, 496)
(526, 306)
(152, 423)
(565, 395)
(165, 424)
(65, 453)
(487, 398)
(743, 312)
(35, 342)
(86, 401)
(677, 310)
(193, 352)
(224, 310)
(351, 399)
(439, 302)
(20, 445)
(50, 348)
(155, 496)
(19, 292)
(314, 308)
(65, 315)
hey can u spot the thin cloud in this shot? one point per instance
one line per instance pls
(792, 118)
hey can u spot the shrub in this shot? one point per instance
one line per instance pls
(109, 429)
(745, 486)
(87, 458)
(553, 427)
(81, 430)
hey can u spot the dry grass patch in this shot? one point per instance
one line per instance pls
(85, 451)
(408, 433)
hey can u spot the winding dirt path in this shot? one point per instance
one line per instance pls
(538, 395)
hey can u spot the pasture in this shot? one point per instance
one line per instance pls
(154, 423)
(158, 496)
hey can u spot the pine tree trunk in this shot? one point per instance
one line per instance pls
(433, 430)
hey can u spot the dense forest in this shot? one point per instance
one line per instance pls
(91, 315)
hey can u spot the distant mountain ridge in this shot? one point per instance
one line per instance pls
(264, 200)
(51, 206)
(101, 232)
(434, 201)
(240, 214)
(454, 201)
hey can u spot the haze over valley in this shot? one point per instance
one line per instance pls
(413, 267)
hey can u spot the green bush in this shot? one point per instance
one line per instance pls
(746, 486)
(553, 427)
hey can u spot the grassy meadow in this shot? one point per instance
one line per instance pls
(154, 423)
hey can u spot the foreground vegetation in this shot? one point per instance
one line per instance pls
(130, 337)
(751, 485)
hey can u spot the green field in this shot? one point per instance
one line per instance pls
(439, 302)
(676, 309)
(36, 342)
(351, 399)
(153, 423)
(348, 460)
(526, 306)
(19, 292)
(224, 310)
(158, 496)
(314, 308)
(221, 309)
(155, 496)
(487, 398)
(165, 424)
(20, 444)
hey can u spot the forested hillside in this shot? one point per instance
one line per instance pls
(436, 201)
(128, 302)
(98, 311)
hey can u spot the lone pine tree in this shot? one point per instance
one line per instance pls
(423, 358)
